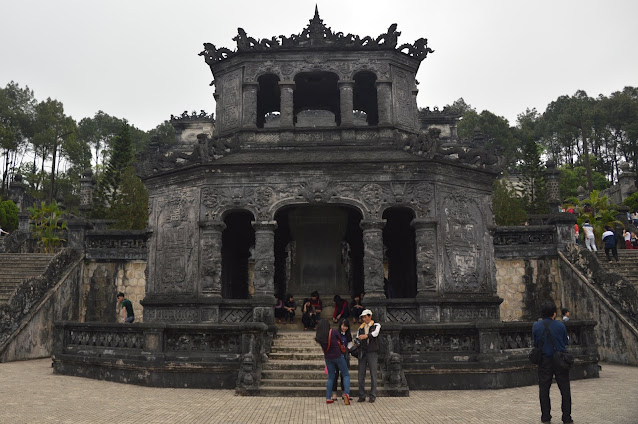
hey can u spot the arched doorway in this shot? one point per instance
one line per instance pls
(318, 247)
(400, 253)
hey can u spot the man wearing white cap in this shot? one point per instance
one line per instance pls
(368, 355)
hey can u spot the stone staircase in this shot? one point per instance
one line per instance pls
(16, 267)
(627, 267)
(296, 368)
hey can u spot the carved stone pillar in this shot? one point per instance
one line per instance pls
(373, 257)
(265, 258)
(210, 254)
(426, 256)
(552, 176)
(347, 102)
(87, 187)
(286, 117)
(384, 100)
(249, 119)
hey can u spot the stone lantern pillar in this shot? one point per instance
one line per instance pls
(249, 118)
(18, 194)
(346, 92)
(552, 176)
(384, 102)
(627, 182)
(87, 187)
(286, 117)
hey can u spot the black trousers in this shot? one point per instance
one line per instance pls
(546, 371)
(614, 252)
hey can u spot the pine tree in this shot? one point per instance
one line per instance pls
(109, 188)
(533, 178)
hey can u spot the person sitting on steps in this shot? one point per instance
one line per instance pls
(356, 307)
(316, 302)
(341, 309)
(309, 315)
(290, 306)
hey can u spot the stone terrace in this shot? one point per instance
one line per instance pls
(30, 393)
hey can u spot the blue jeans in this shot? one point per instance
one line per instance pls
(130, 318)
(332, 365)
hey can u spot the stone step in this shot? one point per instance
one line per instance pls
(293, 349)
(301, 382)
(315, 364)
(314, 392)
(296, 356)
(313, 375)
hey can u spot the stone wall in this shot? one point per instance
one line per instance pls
(101, 283)
(524, 283)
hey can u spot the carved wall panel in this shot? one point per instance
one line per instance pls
(402, 86)
(177, 314)
(210, 257)
(421, 343)
(465, 249)
(230, 100)
(203, 342)
(175, 255)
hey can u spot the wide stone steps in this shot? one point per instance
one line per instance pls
(17, 267)
(296, 368)
(627, 265)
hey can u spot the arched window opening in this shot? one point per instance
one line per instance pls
(268, 100)
(365, 96)
(399, 253)
(316, 91)
(238, 241)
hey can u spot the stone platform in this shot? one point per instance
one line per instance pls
(31, 393)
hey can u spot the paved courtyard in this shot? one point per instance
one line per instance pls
(31, 393)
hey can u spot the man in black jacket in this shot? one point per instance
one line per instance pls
(368, 355)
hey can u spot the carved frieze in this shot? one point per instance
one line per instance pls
(422, 343)
(177, 314)
(210, 268)
(203, 342)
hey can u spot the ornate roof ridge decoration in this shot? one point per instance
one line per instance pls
(317, 36)
(435, 111)
(194, 116)
(473, 153)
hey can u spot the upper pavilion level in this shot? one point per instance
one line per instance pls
(316, 79)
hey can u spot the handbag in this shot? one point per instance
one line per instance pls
(342, 348)
(536, 355)
(562, 361)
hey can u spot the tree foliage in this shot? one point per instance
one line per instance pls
(508, 207)
(8, 215)
(48, 225)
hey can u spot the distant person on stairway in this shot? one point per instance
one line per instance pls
(627, 236)
(128, 315)
(356, 308)
(341, 309)
(609, 237)
(590, 240)
(309, 315)
(332, 346)
(346, 340)
(565, 313)
(2, 231)
(316, 302)
(290, 306)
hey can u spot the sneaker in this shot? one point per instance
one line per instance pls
(361, 399)
(330, 401)
(371, 400)
(346, 399)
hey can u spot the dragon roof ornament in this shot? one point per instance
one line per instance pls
(317, 36)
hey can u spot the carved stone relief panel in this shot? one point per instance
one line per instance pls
(211, 258)
(230, 99)
(403, 83)
(464, 247)
(176, 246)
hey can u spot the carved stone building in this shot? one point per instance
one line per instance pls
(321, 174)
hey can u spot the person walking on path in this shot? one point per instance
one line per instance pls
(542, 330)
(331, 344)
(368, 355)
(609, 237)
(590, 240)
(127, 308)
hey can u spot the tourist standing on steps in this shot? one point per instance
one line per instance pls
(331, 344)
(542, 330)
(609, 237)
(627, 235)
(590, 240)
(127, 308)
(368, 355)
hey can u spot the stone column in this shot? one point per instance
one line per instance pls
(426, 256)
(347, 102)
(210, 262)
(286, 117)
(373, 258)
(384, 101)
(249, 119)
(264, 258)
(627, 182)
(264, 277)
(87, 187)
(76, 232)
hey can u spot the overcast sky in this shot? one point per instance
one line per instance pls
(138, 59)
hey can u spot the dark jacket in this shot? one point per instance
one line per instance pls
(332, 352)
(371, 344)
(557, 330)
